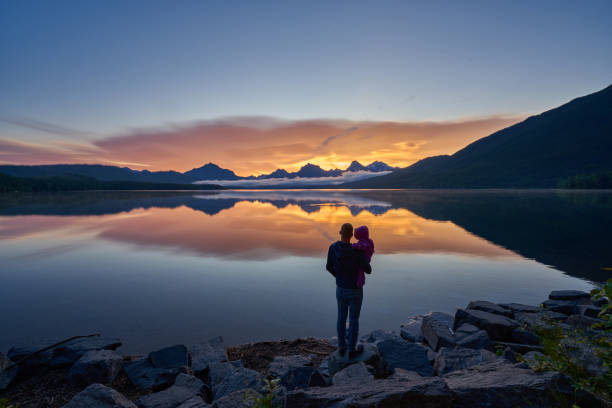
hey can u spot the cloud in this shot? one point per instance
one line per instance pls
(298, 181)
(256, 145)
(46, 127)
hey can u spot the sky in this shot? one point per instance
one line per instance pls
(255, 86)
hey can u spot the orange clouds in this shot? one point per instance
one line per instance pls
(259, 145)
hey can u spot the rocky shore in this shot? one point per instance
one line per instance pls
(486, 355)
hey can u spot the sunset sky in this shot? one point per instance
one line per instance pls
(254, 86)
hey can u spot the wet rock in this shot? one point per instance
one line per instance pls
(239, 399)
(405, 355)
(370, 356)
(437, 330)
(202, 354)
(96, 366)
(525, 337)
(353, 374)
(293, 371)
(477, 340)
(582, 322)
(502, 385)
(458, 358)
(497, 327)
(99, 396)
(170, 357)
(239, 379)
(519, 308)
(64, 354)
(569, 295)
(145, 376)
(567, 307)
(412, 330)
(489, 307)
(185, 388)
(412, 391)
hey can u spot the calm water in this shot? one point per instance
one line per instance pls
(163, 268)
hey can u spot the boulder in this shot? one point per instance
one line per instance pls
(465, 330)
(570, 295)
(353, 374)
(96, 366)
(170, 357)
(64, 354)
(293, 371)
(238, 399)
(477, 340)
(413, 391)
(517, 347)
(539, 319)
(519, 308)
(4, 362)
(490, 307)
(412, 330)
(405, 355)
(510, 355)
(185, 388)
(500, 384)
(437, 330)
(194, 402)
(525, 337)
(431, 356)
(567, 307)
(145, 376)
(582, 322)
(323, 373)
(497, 327)
(377, 335)
(239, 379)
(601, 302)
(585, 355)
(99, 396)
(8, 375)
(532, 358)
(458, 358)
(589, 311)
(202, 354)
(370, 356)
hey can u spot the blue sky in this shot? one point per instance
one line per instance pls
(97, 68)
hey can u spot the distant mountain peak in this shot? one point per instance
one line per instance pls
(211, 171)
(356, 166)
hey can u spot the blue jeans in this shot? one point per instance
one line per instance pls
(349, 303)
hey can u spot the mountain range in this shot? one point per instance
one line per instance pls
(539, 152)
(209, 171)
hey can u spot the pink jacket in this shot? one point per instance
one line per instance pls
(364, 243)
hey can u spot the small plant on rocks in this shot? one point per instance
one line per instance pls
(268, 398)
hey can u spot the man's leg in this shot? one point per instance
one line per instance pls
(354, 311)
(342, 314)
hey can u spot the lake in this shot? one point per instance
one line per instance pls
(161, 268)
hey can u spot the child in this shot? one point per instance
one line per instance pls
(365, 244)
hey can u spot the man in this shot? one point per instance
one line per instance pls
(343, 261)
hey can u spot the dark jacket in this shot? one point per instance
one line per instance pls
(344, 261)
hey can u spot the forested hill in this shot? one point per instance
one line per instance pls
(540, 152)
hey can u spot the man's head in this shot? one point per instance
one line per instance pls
(346, 232)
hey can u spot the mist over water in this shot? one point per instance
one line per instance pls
(159, 268)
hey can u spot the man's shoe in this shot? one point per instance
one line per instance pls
(342, 351)
(354, 353)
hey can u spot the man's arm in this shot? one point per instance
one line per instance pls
(330, 264)
(363, 262)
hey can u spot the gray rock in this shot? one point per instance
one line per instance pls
(412, 330)
(465, 330)
(405, 355)
(517, 347)
(293, 371)
(477, 340)
(497, 327)
(202, 354)
(567, 307)
(582, 322)
(510, 355)
(353, 374)
(431, 356)
(532, 358)
(377, 335)
(96, 366)
(237, 363)
(437, 330)
(194, 402)
(453, 359)
(370, 356)
(99, 396)
(539, 319)
(8, 375)
(145, 376)
(502, 385)
(585, 355)
(413, 391)
(239, 379)
(323, 372)
(569, 295)
(4, 362)
(185, 388)
(525, 337)
(238, 399)
(519, 308)
(64, 354)
(601, 302)
(589, 311)
(489, 307)
(170, 357)
(217, 371)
